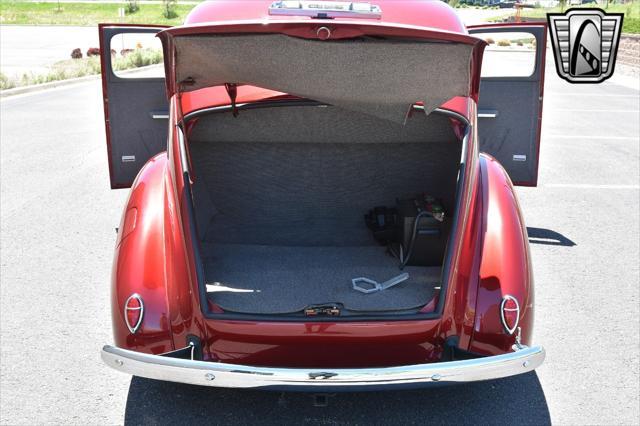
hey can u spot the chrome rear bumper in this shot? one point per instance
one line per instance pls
(242, 376)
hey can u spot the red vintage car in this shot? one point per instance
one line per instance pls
(320, 215)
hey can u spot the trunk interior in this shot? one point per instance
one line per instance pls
(281, 193)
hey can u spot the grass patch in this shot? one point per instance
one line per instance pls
(74, 68)
(630, 25)
(87, 14)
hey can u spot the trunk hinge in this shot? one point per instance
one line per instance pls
(232, 90)
(189, 81)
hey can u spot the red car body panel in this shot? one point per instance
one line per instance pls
(154, 256)
(144, 241)
(408, 12)
(505, 267)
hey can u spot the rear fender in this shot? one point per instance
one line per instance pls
(505, 265)
(139, 263)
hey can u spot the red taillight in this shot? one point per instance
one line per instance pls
(133, 312)
(510, 313)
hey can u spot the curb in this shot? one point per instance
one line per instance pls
(58, 83)
(44, 86)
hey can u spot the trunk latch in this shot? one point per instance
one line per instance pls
(317, 310)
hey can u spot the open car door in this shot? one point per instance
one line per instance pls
(135, 102)
(511, 92)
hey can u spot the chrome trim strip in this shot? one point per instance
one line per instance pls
(244, 376)
(326, 9)
(184, 162)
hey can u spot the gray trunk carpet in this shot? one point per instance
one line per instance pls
(279, 279)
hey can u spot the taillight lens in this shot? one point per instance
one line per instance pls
(133, 312)
(510, 313)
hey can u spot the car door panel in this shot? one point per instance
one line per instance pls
(135, 110)
(510, 105)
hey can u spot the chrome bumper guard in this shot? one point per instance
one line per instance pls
(242, 376)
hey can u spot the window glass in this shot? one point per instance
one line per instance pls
(137, 55)
(509, 54)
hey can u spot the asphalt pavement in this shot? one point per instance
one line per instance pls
(32, 49)
(57, 237)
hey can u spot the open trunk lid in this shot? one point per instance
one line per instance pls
(376, 68)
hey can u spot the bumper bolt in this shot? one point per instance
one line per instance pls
(436, 377)
(209, 376)
(119, 362)
(525, 364)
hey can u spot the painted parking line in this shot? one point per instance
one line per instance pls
(617, 111)
(607, 137)
(596, 94)
(589, 186)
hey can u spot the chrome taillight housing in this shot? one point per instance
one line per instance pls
(510, 313)
(133, 312)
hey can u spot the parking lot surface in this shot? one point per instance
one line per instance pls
(57, 238)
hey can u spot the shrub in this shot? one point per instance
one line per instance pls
(76, 53)
(93, 51)
(489, 40)
(504, 42)
(125, 52)
(138, 58)
(6, 82)
(131, 7)
(519, 43)
(169, 9)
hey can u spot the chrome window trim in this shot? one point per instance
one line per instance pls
(184, 163)
(326, 9)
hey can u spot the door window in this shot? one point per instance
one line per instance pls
(136, 55)
(509, 54)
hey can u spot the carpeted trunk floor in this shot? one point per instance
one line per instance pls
(279, 279)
